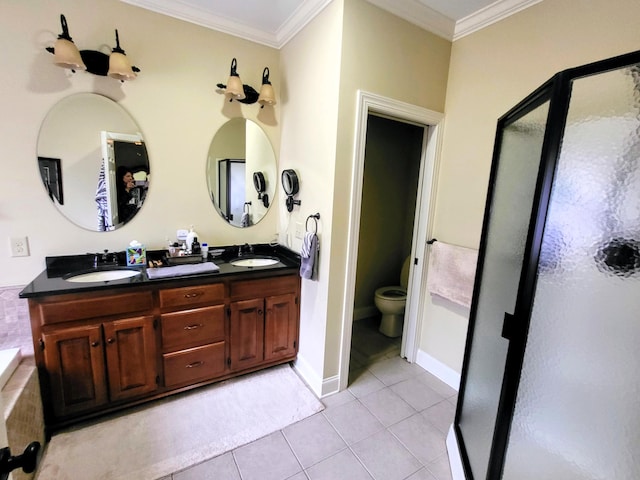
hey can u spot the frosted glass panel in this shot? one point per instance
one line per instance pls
(506, 235)
(577, 413)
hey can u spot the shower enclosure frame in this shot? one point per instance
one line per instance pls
(556, 91)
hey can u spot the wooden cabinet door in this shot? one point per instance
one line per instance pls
(131, 348)
(247, 333)
(74, 360)
(281, 327)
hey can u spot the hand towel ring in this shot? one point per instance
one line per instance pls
(316, 217)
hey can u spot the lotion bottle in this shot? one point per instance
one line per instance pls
(189, 241)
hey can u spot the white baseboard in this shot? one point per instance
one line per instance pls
(308, 374)
(361, 313)
(330, 386)
(445, 373)
(455, 462)
(320, 387)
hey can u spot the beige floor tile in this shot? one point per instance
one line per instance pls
(385, 457)
(269, 458)
(420, 437)
(313, 439)
(342, 465)
(388, 407)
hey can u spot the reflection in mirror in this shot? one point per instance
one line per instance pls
(93, 161)
(239, 154)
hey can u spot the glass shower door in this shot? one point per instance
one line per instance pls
(510, 204)
(576, 415)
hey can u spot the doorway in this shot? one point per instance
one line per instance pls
(430, 124)
(393, 151)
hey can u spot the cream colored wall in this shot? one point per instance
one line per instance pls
(174, 101)
(491, 70)
(386, 55)
(311, 70)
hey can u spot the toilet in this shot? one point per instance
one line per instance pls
(391, 302)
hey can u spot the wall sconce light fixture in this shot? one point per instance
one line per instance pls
(66, 55)
(236, 90)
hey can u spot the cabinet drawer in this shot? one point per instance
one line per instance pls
(195, 364)
(80, 308)
(185, 296)
(265, 287)
(191, 328)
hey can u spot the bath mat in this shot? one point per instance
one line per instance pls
(182, 430)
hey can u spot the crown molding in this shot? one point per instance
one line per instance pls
(420, 15)
(300, 18)
(189, 13)
(410, 10)
(489, 15)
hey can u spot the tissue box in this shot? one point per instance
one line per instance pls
(136, 256)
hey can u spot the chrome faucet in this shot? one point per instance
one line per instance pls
(243, 249)
(105, 258)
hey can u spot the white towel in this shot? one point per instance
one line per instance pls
(182, 270)
(452, 271)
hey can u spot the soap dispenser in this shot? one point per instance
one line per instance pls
(189, 241)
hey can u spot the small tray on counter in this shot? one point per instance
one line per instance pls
(184, 259)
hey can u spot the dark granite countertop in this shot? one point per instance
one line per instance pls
(52, 280)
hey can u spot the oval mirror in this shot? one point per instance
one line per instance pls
(241, 172)
(93, 161)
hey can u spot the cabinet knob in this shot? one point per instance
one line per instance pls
(111, 340)
(95, 344)
(259, 311)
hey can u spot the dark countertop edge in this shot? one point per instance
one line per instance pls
(45, 285)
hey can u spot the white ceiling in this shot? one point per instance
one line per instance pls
(275, 22)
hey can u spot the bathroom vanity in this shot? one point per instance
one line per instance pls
(103, 346)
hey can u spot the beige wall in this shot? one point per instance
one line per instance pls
(491, 70)
(351, 45)
(386, 55)
(311, 71)
(174, 101)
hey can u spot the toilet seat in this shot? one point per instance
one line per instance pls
(397, 293)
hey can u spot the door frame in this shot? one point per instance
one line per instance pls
(432, 122)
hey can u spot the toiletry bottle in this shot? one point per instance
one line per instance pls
(190, 236)
(195, 247)
(205, 251)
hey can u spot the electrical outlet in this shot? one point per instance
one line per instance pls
(19, 246)
(299, 230)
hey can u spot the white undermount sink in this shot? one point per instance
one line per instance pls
(102, 275)
(254, 262)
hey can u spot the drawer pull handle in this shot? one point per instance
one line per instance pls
(195, 364)
(194, 326)
(192, 295)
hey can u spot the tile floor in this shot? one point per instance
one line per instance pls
(390, 424)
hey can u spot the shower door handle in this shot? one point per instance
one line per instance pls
(509, 326)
